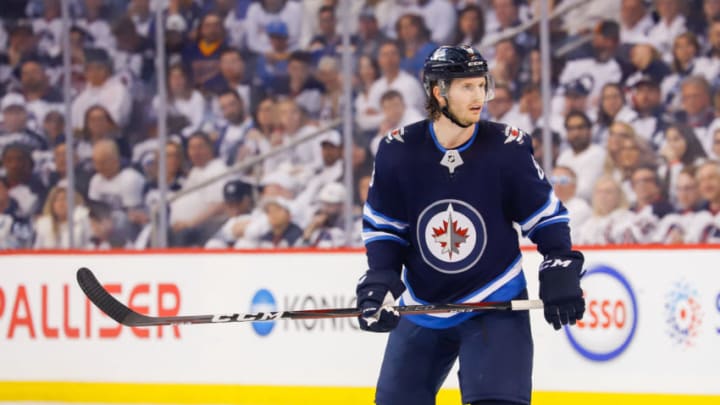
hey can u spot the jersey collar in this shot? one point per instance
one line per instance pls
(462, 148)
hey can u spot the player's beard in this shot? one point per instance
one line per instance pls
(468, 118)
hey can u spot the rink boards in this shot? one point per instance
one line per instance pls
(651, 332)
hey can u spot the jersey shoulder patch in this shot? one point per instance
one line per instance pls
(396, 134)
(514, 134)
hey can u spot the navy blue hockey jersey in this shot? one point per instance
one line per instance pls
(445, 219)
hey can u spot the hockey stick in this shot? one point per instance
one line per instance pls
(126, 316)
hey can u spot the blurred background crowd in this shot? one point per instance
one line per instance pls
(634, 114)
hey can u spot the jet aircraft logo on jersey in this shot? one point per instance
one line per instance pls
(513, 134)
(395, 135)
(451, 235)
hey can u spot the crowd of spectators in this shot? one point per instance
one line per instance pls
(635, 114)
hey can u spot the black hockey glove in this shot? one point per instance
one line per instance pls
(560, 288)
(376, 295)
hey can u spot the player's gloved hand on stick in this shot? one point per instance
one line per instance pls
(376, 295)
(560, 288)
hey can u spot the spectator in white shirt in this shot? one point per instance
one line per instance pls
(98, 124)
(238, 205)
(95, 21)
(15, 125)
(573, 96)
(696, 107)
(612, 107)
(367, 72)
(24, 186)
(232, 75)
(15, 232)
(602, 66)
(470, 28)
(713, 49)
(51, 228)
(393, 78)
(670, 25)
(687, 191)
(183, 99)
(715, 149)
(326, 228)
(142, 16)
(284, 232)
(635, 21)
(331, 167)
(564, 182)
(293, 124)
(681, 149)
(194, 216)
(102, 89)
(300, 85)
(708, 178)
(646, 99)
(584, 157)
(501, 107)
(530, 109)
(328, 73)
(711, 11)
(609, 207)
(649, 192)
(396, 114)
(686, 62)
(121, 188)
(674, 227)
(49, 28)
(260, 13)
(503, 15)
(40, 96)
(440, 15)
(232, 133)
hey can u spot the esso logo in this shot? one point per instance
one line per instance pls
(610, 319)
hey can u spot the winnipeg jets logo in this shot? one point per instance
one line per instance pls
(451, 236)
(395, 135)
(513, 134)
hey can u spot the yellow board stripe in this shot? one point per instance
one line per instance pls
(285, 395)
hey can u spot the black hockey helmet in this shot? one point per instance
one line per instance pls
(453, 62)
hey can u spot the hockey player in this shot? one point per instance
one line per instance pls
(438, 228)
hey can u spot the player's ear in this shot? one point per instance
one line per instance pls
(437, 93)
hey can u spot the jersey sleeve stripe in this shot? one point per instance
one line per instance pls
(380, 221)
(551, 208)
(553, 220)
(371, 235)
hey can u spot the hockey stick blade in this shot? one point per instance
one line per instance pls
(126, 316)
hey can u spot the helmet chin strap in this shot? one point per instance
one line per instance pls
(452, 118)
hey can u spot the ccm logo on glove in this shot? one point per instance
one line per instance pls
(560, 288)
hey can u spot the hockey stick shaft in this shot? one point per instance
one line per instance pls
(126, 316)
